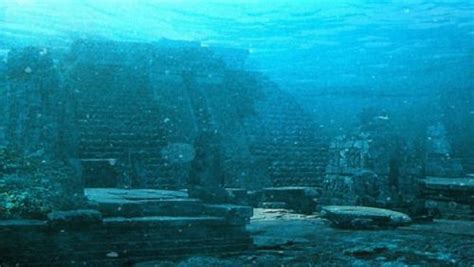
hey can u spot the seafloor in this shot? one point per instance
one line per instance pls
(286, 239)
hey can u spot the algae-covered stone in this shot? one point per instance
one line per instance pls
(360, 217)
(31, 187)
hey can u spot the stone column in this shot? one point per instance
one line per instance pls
(40, 114)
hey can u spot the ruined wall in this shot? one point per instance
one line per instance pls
(376, 165)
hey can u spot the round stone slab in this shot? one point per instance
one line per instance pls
(360, 217)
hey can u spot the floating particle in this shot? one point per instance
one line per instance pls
(112, 254)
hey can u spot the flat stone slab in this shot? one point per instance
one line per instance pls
(129, 195)
(114, 202)
(360, 217)
(457, 184)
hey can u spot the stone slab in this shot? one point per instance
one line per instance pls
(456, 184)
(116, 194)
(114, 202)
(360, 217)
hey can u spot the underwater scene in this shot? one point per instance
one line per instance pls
(223, 133)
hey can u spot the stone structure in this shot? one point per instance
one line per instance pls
(144, 111)
(143, 107)
(287, 143)
(457, 117)
(133, 226)
(376, 166)
(447, 187)
(39, 115)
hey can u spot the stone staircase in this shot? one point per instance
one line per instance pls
(128, 127)
(137, 225)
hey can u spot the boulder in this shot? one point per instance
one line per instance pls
(360, 217)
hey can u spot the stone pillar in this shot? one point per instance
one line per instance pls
(177, 119)
(439, 161)
(39, 109)
(375, 166)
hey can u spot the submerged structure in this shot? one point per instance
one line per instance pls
(169, 115)
(159, 149)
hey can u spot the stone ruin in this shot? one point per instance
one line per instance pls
(170, 115)
(166, 115)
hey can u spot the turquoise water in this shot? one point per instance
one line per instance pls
(398, 46)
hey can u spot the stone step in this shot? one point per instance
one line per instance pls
(169, 207)
(138, 203)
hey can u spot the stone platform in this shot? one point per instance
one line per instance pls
(136, 225)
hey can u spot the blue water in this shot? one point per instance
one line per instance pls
(396, 46)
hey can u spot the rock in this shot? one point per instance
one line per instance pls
(360, 217)
(74, 218)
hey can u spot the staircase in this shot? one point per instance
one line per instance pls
(137, 225)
